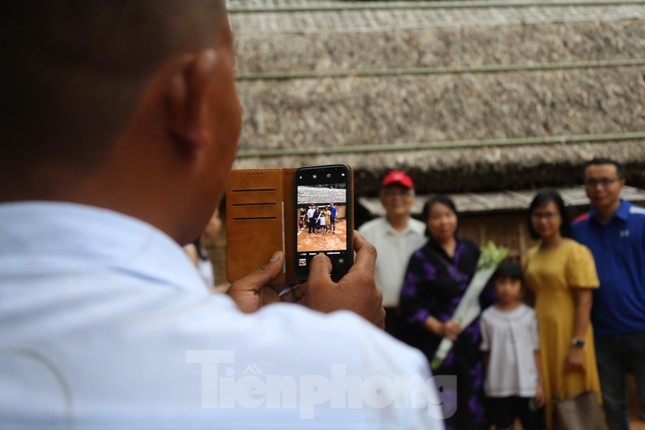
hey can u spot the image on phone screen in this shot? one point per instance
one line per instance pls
(323, 214)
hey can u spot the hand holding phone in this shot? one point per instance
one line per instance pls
(303, 213)
(356, 291)
(252, 291)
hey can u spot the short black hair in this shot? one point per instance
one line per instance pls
(508, 269)
(542, 198)
(598, 161)
(75, 70)
(442, 199)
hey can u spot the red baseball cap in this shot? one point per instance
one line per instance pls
(398, 177)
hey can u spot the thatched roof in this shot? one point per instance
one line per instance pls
(321, 196)
(328, 113)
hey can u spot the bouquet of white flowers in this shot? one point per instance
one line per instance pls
(468, 308)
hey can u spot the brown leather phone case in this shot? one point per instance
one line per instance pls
(260, 220)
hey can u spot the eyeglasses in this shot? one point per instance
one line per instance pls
(604, 182)
(544, 215)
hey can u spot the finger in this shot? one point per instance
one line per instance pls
(381, 320)
(365, 254)
(320, 267)
(268, 296)
(299, 293)
(256, 280)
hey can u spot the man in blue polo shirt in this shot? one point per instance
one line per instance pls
(614, 230)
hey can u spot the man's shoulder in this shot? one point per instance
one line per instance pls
(636, 211)
(580, 227)
(582, 218)
(377, 224)
(380, 224)
(354, 341)
(281, 344)
(173, 319)
(417, 226)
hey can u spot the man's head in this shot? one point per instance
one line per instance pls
(604, 180)
(125, 104)
(397, 194)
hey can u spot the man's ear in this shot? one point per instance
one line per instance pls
(185, 100)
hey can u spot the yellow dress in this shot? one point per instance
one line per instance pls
(551, 274)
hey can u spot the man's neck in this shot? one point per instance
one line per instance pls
(398, 222)
(605, 214)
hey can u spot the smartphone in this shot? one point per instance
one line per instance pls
(324, 217)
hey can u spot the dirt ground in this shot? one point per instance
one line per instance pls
(319, 241)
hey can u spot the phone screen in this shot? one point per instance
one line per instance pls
(324, 217)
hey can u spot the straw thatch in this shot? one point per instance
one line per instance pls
(320, 195)
(338, 112)
(512, 43)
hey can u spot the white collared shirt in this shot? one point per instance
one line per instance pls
(104, 323)
(394, 249)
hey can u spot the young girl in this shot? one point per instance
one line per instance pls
(510, 344)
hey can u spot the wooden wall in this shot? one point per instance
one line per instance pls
(509, 229)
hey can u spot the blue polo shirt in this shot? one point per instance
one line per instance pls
(619, 251)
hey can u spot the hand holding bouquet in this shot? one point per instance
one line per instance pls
(468, 307)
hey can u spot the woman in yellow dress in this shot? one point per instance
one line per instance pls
(562, 274)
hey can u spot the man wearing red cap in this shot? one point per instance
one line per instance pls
(395, 236)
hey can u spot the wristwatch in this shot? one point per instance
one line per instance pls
(578, 342)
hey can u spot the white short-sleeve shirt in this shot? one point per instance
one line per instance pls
(394, 249)
(511, 338)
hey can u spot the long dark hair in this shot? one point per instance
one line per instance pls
(444, 200)
(542, 198)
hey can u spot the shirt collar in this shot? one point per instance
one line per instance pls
(621, 213)
(92, 236)
(390, 230)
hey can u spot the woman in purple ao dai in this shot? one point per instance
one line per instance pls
(436, 280)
